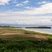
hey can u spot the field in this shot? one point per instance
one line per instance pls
(19, 40)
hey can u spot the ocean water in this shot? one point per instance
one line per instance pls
(48, 31)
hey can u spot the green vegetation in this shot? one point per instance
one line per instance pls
(25, 46)
(18, 40)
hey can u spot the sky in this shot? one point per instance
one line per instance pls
(26, 11)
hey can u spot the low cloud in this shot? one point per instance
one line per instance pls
(23, 19)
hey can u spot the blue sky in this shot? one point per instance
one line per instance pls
(25, 5)
(21, 5)
(25, 10)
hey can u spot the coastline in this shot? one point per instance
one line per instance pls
(38, 31)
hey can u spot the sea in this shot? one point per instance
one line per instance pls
(47, 31)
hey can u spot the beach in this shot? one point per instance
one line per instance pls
(46, 31)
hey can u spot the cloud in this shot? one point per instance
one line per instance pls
(39, 3)
(23, 19)
(3, 2)
(26, 1)
(43, 2)
(28, 7)
(43, 9)
(18, 5)
(22, 3)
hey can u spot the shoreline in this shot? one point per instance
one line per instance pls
(38, 31)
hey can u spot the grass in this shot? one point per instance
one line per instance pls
(25, 46)
(18, 40)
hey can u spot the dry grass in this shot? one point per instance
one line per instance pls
(13, 32)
